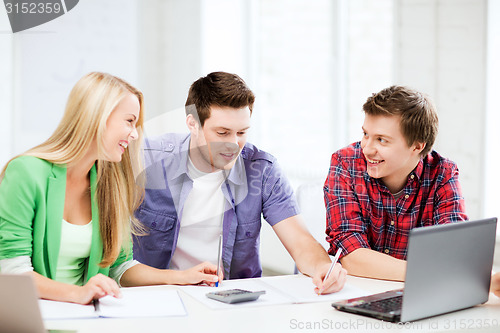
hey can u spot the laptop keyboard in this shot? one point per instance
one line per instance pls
(384, 305)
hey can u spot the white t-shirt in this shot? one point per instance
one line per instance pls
(201, 221)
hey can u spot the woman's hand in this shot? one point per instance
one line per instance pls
(98, 286)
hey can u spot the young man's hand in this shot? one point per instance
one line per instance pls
(204, 273)
(335, 281)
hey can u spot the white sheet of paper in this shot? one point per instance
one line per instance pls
(279, 290)
(135, 302)
(142, 302)
(301, 289)
(271, 297)
(65, 310)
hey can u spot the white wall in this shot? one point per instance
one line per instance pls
(42, 64)
(491, 194)
(6, 89)
(441, 50)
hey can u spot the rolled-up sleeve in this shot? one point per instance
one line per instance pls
(17, 265)
(116, 272)
(278, 198)
(449, 203)
(345, 227)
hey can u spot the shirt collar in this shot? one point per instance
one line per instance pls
(181, 165)
(236, 174)
(419, 170)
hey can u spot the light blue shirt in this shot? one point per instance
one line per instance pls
(254, 187)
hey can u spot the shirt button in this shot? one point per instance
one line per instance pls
(412, 176)
(407, 196)
(386, 251)
(392, 222)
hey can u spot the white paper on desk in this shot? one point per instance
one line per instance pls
(142, 302)
(271, 297)
(286, 289)
(135, 302)
(301, 289)
(65, 310)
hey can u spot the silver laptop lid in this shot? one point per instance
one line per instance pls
(19, 310)
(448, 268)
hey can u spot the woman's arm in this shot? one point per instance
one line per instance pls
(143, 275)
(98, 286)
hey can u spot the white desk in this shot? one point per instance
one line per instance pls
(311, 317)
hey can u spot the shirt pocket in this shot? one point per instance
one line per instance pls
(245, 260)
(159, 230)
(248, 230)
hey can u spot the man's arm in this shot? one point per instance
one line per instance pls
(143, 275)
(373, 264)
(450, 206)
(309, 256)
(347, 229)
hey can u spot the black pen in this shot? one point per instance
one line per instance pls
(95, 302)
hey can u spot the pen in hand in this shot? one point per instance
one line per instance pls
(219, 258)
(95, 302)
(335, 259)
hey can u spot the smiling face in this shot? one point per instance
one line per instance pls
(386, 150)
(121, 128)
(217, 144)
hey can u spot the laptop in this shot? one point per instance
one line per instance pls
(19, 309)
(448, 269)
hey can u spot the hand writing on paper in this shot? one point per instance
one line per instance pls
(333, 283)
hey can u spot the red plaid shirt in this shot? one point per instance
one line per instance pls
(362, 212)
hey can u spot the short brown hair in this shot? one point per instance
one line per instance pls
(220, 89)
(419, 120)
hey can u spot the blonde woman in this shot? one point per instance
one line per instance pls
(66, 206)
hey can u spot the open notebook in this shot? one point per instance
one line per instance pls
(135, 302)
(19, 300)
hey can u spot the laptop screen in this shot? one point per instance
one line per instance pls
(448, 268)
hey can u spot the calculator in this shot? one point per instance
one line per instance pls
(235, 295)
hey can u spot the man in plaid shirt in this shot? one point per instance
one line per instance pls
(378, 189)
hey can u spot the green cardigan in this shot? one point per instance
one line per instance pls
(32, 195)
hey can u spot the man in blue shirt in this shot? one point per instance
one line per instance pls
(211, 183)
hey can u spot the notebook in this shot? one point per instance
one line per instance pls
(448, 269)
(19, 308)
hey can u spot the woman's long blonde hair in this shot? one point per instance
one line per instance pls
(120, 186)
